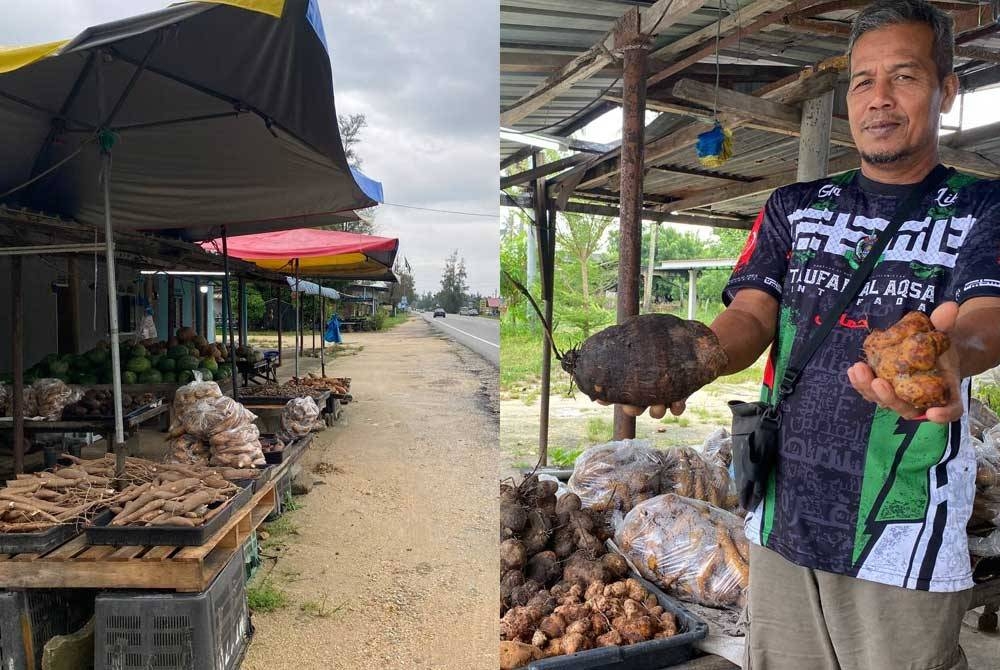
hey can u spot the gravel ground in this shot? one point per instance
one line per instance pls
(394, 560)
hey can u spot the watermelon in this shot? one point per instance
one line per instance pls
(97, 356)
(129, 377)
(209, 363)
(138, 364)
(57, 367)
(166, 364)
(185, 376)
(151, 376)
(88, 379)
(169, 377)
(178, 351)
(200, 341)
(206, 374)
(187, 363)
(139, 350)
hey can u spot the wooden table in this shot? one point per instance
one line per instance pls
(78, 565)
(258, 372)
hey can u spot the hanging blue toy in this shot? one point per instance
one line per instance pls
(715, 146)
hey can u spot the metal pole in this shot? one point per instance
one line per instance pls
(298, 312)
(17, 356)
(116, 369)
(634, 45)
(647, 294)
(692, 292)
(542, 225)
(242, 287)
(322, 324)
(227, 312)
(279, 325)
(312, 325)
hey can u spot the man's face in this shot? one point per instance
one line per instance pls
(895, 96)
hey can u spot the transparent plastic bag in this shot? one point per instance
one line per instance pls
(209, 416)
(187, 450)
(298, 418)
(187, 395)
(692, 549)
(690, 475)
(986, 546)
(718, 448)
(51, 396)
(987, 463)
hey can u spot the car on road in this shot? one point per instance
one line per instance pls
(473, 312)
(464, 311)
(439, 311)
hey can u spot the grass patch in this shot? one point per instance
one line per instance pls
(266, 596)
(290, 503)
(563, 458)
(278, 532)
(393, 321)
(682, 421)
(989, 395)
(319, 610)
(599, 429)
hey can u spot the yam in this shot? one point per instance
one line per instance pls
(522, 595)
(614, 565)
(574, 642)
(510, 580)
(513, 516)
(543, 567)
(513, 555)
(563, 542)
(583, 571)
(570, 502)
(544, 601)
(536, 537)
(610, 639)
(519, 623)
(516, 654)
(651, 359)
(554, 625)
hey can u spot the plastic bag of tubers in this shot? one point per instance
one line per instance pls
(691, 549)
(620, 475)
(298, 419)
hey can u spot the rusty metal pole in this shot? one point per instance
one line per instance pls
(634, 46)
(542, 226)
(17, 359)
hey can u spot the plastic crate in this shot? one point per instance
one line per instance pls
(652, 655)
(138, 630)
(282, 493)
(29, 619)
(251, 556)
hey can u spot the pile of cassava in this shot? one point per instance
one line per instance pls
(560, 591)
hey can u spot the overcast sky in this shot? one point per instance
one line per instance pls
(424, 73)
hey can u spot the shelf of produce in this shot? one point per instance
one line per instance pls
(278, 402)
(103, 425)
(77, 564)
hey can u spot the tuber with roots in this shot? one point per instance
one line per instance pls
(906, 355)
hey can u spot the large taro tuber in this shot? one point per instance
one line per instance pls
(652, 359)
(906, 355)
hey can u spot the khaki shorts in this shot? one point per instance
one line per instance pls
(804, 619)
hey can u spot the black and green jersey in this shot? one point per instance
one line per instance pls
(857, 490)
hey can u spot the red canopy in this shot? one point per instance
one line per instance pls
(321, 253)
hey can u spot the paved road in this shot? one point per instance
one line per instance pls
(478, 333)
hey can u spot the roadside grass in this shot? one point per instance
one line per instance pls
(319, 609)
(599, 429)
(266, 596)
(393, 321)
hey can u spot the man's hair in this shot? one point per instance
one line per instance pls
(883, 13)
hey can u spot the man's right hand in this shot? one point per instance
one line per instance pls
(655, 411)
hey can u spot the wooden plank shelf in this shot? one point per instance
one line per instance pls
(78, 565)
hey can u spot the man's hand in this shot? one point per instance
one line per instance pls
(655, 411)
(880, 391)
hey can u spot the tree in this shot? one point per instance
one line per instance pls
(513, 262)
(255, 305)
(581, 236)
(453, 283)
(351, 126)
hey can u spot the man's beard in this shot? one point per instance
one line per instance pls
(885, 158)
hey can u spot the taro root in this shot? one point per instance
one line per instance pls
(516, 654)
(512, 555)
(543, 567)
(905, 355)
(652, 359)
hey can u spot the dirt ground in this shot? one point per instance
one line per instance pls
(391, 561)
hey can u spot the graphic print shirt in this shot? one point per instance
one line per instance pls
(857, 490)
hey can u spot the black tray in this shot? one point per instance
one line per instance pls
(131, 415)
(99, 532)
(651, 655)
(38, 542)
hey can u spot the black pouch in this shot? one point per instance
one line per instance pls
(756, 433)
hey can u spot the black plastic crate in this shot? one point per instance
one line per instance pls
(139, 630)
(652, 655)
(38, 542)
(29, 619)
(282, 492)
(99, 532)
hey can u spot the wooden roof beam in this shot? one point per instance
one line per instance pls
(652, 19)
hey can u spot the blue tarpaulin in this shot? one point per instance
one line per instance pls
(370, 187)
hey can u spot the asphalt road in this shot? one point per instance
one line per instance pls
(477, 333)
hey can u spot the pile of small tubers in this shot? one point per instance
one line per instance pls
(561, 592)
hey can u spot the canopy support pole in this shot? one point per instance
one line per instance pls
(298, 317)
(116, 357)
(227, 311)
(279, 325)
(312, 325)
(242, 288)
(17, 358)
(322, 324)
(635, 45)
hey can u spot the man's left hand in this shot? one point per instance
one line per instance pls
(880, 391)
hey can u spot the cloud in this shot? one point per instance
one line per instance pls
(425, 74)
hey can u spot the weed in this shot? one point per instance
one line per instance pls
(989, 394)
(563, 458)
(290, 503)
(266, 596)
(599, 429)
(319, 609)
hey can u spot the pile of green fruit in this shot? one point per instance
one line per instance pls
(148, 362)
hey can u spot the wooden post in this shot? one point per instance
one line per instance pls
(647, 294)
(322, 325)
(634, 45)
(814, 141)
(242, 284)
(312, 324)
(17, 360)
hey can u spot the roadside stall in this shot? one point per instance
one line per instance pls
(190, 123)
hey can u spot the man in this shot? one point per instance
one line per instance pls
(860, 559)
